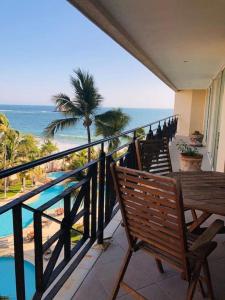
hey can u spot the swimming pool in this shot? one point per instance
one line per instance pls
(6, 223)
(7, 275)
(54, 175)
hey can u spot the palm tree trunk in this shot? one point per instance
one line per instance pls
(5, 179)
(89, 141)
(5, 187)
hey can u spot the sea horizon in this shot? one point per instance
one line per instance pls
(32, 119)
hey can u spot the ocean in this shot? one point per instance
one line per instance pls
(34, 118)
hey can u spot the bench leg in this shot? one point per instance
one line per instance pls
(121, 274)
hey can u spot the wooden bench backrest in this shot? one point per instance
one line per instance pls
(152, 211)
(153, 156)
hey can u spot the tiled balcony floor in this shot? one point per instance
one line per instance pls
(143, 275)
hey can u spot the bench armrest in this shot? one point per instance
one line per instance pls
(207, 235)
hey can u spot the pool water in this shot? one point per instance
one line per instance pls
(54, 175)
(7, 278)
(6, 223)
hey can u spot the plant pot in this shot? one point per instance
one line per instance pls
(196, 140)
(190, 163)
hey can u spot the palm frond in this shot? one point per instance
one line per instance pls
(87, 97)
(4, 123)
(111, 122)
(59, 124)
(66, 106)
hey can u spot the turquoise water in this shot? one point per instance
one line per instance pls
(7, 278)
(22, 118)
(54, 175)
(6, 227)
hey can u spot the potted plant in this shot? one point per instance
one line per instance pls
(196, 139)
(190, 158)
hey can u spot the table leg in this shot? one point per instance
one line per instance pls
(197, 222)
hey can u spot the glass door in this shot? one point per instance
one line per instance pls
(217, 119)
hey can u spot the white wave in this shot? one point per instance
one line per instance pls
(26, 111)
(71, 136)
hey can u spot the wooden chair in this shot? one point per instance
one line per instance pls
(153, 156)
(153, 217)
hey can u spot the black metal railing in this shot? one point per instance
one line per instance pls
(89, 202)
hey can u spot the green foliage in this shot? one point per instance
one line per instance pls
(16, 149)
(79, 159)
(28, 148)
(77, 235)
(187, 150)
(48, 147)
(12, 189)
(83, 106)
(111, 123)
(196, 132)
(140, 133)
(4, 123)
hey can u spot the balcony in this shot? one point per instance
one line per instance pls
(99, 269)
(143, 275)
(41, 232)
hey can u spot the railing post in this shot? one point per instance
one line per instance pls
(87, 210)
(18, 252)
(109, 189)
(170, 130)
(150, 134)
(67, 226)
(94, 170)
(159, 132)
(131, 160)
(165, 131)
(38, 253)
(101, 194)
(175, 125)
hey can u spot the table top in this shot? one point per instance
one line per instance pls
(203, 190)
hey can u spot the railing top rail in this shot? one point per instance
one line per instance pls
(40, 161)
(46, 186)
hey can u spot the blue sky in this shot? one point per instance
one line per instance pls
(43, 41)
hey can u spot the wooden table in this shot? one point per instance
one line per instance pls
(204, 191)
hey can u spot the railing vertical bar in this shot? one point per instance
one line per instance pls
(38, 251)
(101, 196)
(108, 189)
(94, 171)
(18, 252)
(87, 211)
(67, 225)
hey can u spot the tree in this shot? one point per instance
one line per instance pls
(48, 147)
(27, 151)
(8, 146)
(83, 106)
(4, 123)
(111, 123)
(28, 148)
(140, 133)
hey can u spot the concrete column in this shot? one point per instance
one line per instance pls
(190, 105)
(220, 166)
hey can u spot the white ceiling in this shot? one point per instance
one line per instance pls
(181, 41)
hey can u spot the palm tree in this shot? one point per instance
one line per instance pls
(4, 127)
(4, 123)
(28, 148)
(110, 123)
(83, 106)
(48, 147)
(9, 146)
